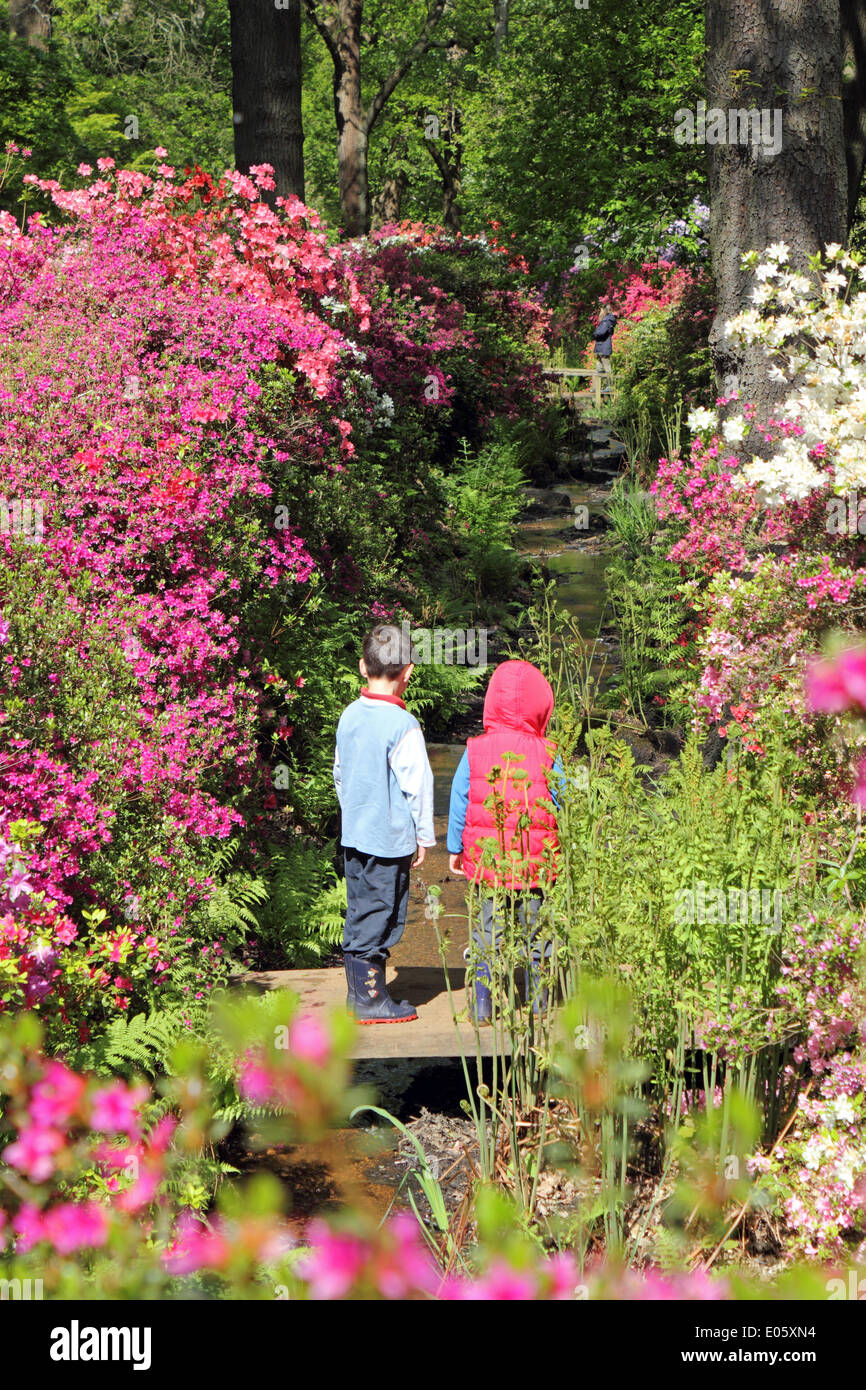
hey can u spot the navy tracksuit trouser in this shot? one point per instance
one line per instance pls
(377, 897)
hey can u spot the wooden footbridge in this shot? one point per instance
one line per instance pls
(566, 385)
(437, 1032)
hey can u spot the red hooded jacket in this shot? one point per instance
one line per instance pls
(517, 710)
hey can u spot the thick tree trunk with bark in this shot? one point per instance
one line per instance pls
(266, 90)
(782, 60)
(853, 13)
(352, 135)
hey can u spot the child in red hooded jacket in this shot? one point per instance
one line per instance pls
(517, 710)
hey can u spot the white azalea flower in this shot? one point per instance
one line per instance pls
(735, 429)
(819, 342)
(844, 1110)
(834, 281)
(701, 419)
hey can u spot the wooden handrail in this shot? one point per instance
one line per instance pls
(565, 372)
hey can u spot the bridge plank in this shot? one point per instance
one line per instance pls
(433, 1034)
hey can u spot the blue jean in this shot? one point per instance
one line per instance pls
(490, 931)
(377, 896)
(488, 934)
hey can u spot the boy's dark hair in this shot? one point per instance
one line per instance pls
(387, 649)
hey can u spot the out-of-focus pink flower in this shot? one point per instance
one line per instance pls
(27, 1225)
(838, 684)
(197, 1247)
(142, 1191)
(75, 1226)
(335, 1263)
(54, 1099)
(115, 1108)
(309, 1039)
(562, 1272)
(501, 1283)
(159, 1137)
(858, 794)
(33, 1152)
(652, 1285)
(455, 1289)
(254, 1082)
(403, 1266)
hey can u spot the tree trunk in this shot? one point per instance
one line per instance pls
(854, 96)
(349, 115)
(266, 90)
(500, 25)
(30, 20)
(782, 60)
(388, 201)
(449, 162)
(339, 24)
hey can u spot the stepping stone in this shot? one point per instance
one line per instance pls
(433, 1034)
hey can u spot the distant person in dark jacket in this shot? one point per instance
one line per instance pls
(603, 336)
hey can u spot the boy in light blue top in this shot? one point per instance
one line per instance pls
(385, 788)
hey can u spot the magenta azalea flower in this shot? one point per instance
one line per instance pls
(838, 684)
(115, 1108)
(54, 1099)
(335, 1263)
(309, 1039)
(75, 1226)
(33, 1152)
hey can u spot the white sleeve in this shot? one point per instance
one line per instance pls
(338, 776)
(411, 767)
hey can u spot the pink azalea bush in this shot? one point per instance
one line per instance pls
(720, 523)
(632, 290)
(761, 585)
(74, 980)
(455, 319)
(816, 1174)
(219, 419)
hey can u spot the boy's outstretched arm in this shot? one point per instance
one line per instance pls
(457, 810)
(411, 767)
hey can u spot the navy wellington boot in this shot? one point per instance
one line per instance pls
(368, 999)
